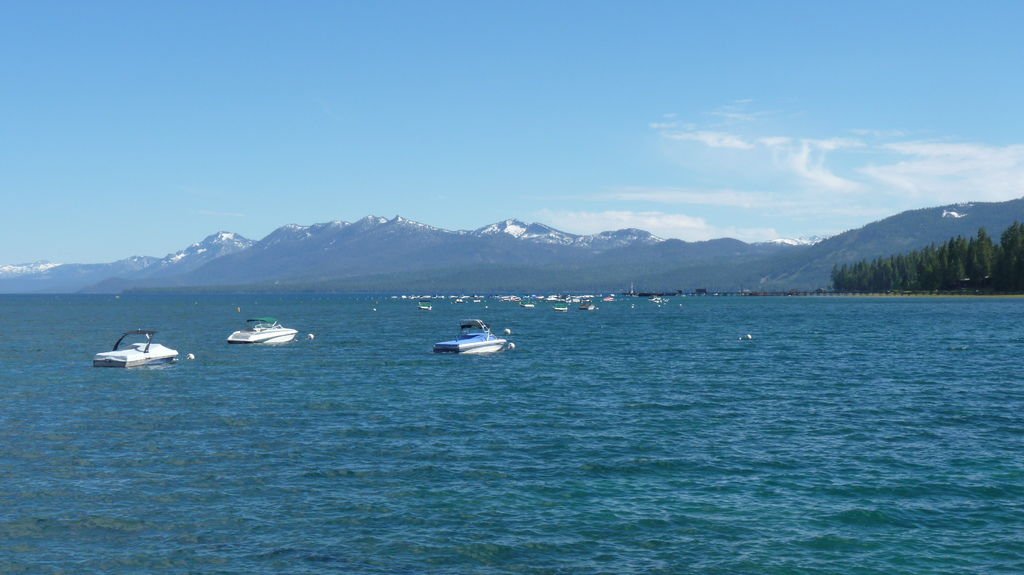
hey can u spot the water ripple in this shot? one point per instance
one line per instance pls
(848, 436)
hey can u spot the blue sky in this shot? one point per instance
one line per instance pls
(140, 127)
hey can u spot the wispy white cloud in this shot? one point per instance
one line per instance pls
(880, 134)
(830, 144)
(952, 171)
(803, 157)
(807, 160)
(734, 116)
(961, 151)
(711, 197)
(662, 224)
(712, 139)
(775, 141)
(736, 112)
(740, 158)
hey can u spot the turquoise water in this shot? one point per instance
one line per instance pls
(848, 436)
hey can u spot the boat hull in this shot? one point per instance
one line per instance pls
(283, 335)
(115, 362)
(471, 347)
(157, 355)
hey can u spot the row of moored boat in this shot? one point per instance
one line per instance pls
(474, 338)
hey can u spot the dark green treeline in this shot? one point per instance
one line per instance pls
(976, 264)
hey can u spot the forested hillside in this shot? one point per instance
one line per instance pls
(961, 263)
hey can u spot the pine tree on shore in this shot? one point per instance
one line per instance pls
(957, 264)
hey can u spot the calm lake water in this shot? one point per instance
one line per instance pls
(848, 436)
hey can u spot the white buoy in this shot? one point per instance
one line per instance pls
(374, 309)
(310, 336)
(746, 337)
(508, 331)
(511, 346)
(190, 357)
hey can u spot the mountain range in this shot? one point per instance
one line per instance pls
(398, 254)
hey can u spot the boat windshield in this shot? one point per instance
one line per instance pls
(258, 323)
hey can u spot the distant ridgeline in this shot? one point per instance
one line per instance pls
(958, 264)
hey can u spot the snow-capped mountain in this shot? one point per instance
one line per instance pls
(12, 270)
(803, 241)
(376, 253)
(544, 234)
(514, 228)
(618, 238)
(49, 277)
(530, 232)
(318, 232)
(329, 233)
(406, 222)
(330, 251)
(213, 246)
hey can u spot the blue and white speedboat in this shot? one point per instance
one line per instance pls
(474, 337)
(135, 354)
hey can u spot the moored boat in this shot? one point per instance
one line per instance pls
(135, 354)
(474, 337)
(263, 330)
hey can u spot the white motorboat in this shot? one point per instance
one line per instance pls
(474, 337)
(135, 354)
(263, 330)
